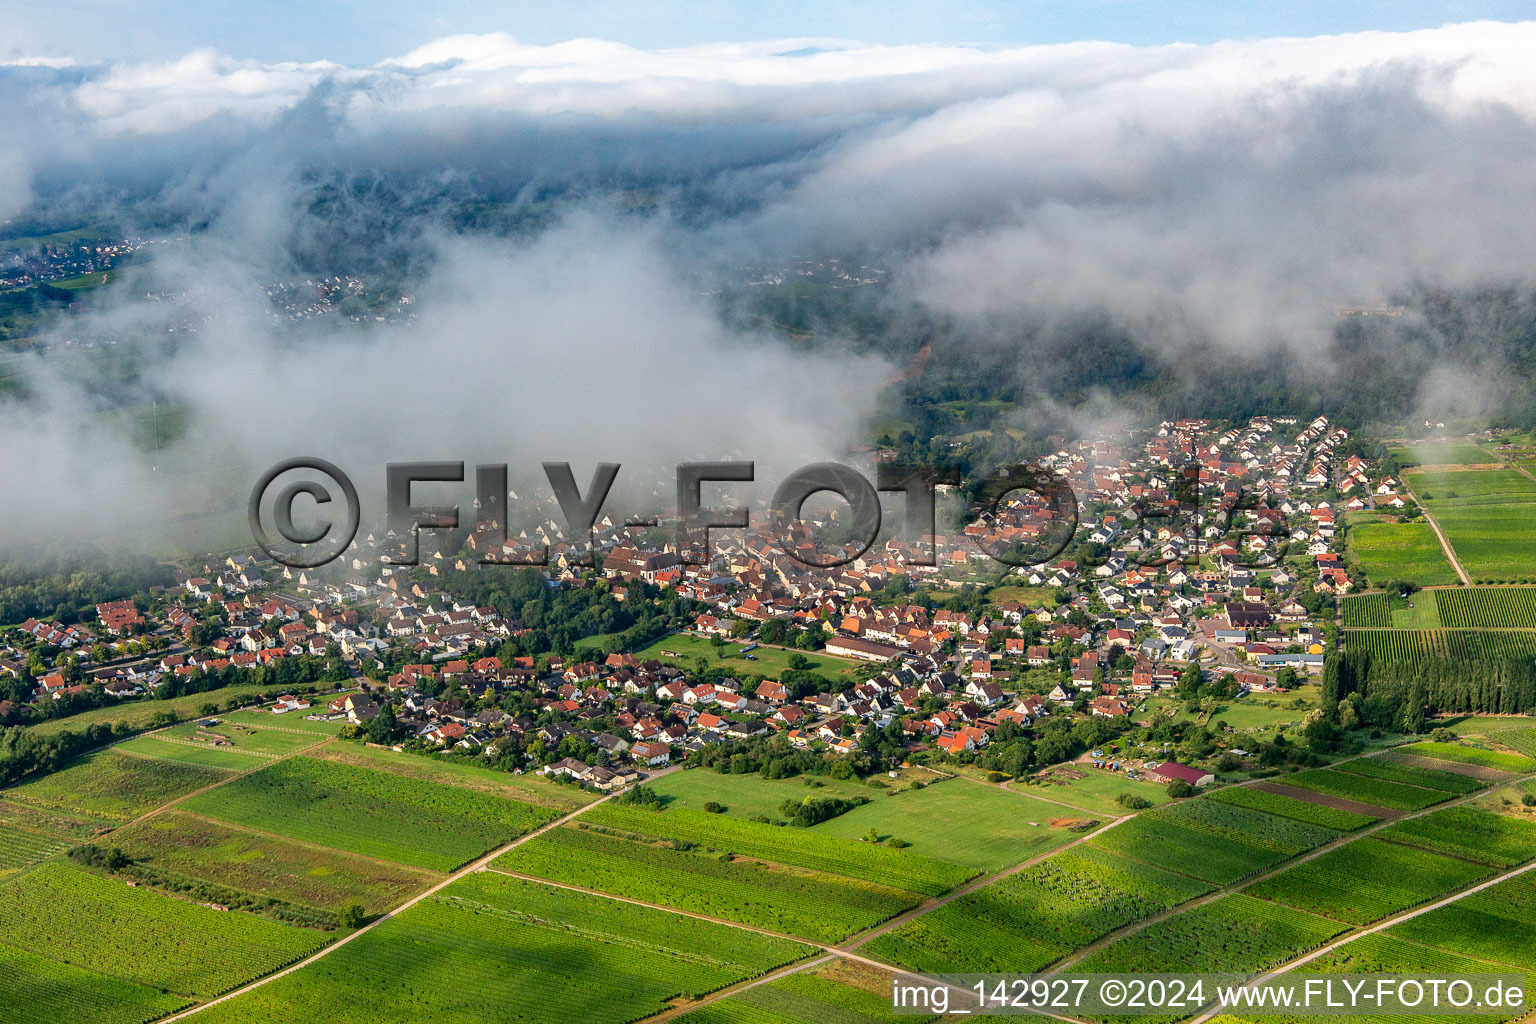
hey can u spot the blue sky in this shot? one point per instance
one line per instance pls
(365, 31)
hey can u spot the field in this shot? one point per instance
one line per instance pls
(1401, 551)
(373, 813)
(1494, 924)
(1487, 607)
(36, 990)
(492, 948)
(209, 757)
(29, 834)
(796, 847)
(966, 822)
(769, 662)
(1442, 453)
(1030, 919)
(1364, 789)
(187, 846)
(291, 721)
(1367, 880)
(744, 796)
(1408, 644)
(1290, 807)
(66, 914)
(842, 992)
(1097, 791)
(1516, 763)
(112, 787)
(1485, 515)
(1470, 834)
(1397, 771)
(1365, 610)
(1217, 842)
(1236, 934)
(138, 713)
(533, 789)
(808, 904)
(1516, 734)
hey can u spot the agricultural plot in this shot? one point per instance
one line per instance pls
(1030, 919)
(1094, 790)
(1442, 453)
(1517, 734)
(290, 722)
(1397, 771)
(1487, 607)
(796, 847)
(1494, 924)
(1365, 610)
(532, 789)
(807, 904)
(111, 787)
(36, 990)
(1217, 842)
(1484, 514)
(744, 796)
(264, 738)
(1515, 763)
(1384, 953)
(847, 993)
(1368, 880)
(1401, 551)
(101, 925)
(492, 948)
(980, 826)
(1233, 934)
(210, 757)
(30, 834)
(1364, 789)
(139, 713)
(1289, 807)
(1468, 833)
(186, 846)
(373, 813)
(1464, 644)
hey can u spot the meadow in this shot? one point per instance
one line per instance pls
(202, 754)
(1367, 880)
(113, 787)
(137, 714)
(374, 813)
(1030, 919)
(1441, 453)
(1096, 791)
(768, 662)
(493, 948)
(58, 911)
(808, 904)
(1401, 551)
(745, 796)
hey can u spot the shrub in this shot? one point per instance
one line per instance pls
(1528, 800)
(1133, 801)
(1179, 789)
(711, 807)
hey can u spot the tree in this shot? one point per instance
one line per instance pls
(1190, 680)
(382, 729)
(351, 916)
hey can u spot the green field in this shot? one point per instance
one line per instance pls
(370, 812)
(30, 834)
(1412, 775)
(1290, 807)
(528, 788)
(69, 915)
(1460, 644)
(808, 904)
(1442, 453)
(796, 847)
(966, 822)
(112, 787)
(1030, 919)
(1367, 880)
(1360, 611)
(1217, 842)
(1486, 515)
(1494, 924)
(768, 663)
(494, 949)
(745, 796)
(1468, 833)
(138, 713)
(1378, 792)
(1487, 607)
(210, 757)
(1517, 734)
(186, 846)
(290, 721)
(1401, 551)
(1097, 791)
(36, 990)
(1517, 763)
(1235, 933)
(844, 992)
(1385, 953)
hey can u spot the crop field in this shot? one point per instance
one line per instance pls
(1367, 880)
(1484, 514)
(1233, 934)
(36, 990)
(1487, 607)
(1217, 842)
(810, 905)
(1442, 453)
(1466, 644)
(1384, 953)
(1289, 807)
(744, 796)
(65, 914)
(207, 756)
(1030, 919)
(1494, 924)
(1096, 791)
(1516, 763)
(112, 787)
(845, 993)
(797, 847)
(373, 813)
(1471, 834)
(1412, 775)
(1365, 610)
(138, 713)
(29, 834)
(1516, 734)
(247, 738)
(192, 847)
(532, 789)
(1401, 551)
(1380, 792)
(493, 948)
(977, 825)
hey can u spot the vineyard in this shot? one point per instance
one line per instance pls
(1379, 792)
(1027, 920)
(1367, 880)
(102, 925)
(1384, 953)
(803, 848)
(36, 990)
(1218, 842)
(29, 834)
(1236, 934)
(1494, 923)
(370, 812)
(1365, 610)
(1517, 763)
(1465, 644)
(1397, 771)
(201, 754)
(811, 905)
(1289, 807)
(491, 948)
(803, 998)
(526, 788)
(1487, 607)
(112, 787)
(1468, 833)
